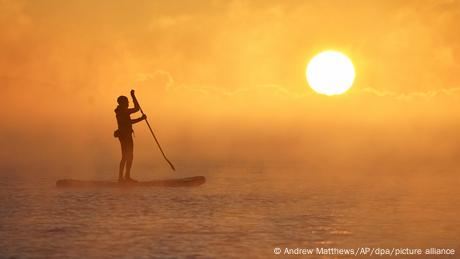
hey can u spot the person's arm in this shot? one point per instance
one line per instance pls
(144, 117)
(136, 104)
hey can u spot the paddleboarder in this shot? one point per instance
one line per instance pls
(125, 134)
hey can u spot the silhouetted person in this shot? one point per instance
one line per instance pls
(125, 134)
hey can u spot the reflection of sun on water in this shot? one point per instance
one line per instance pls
(330, 73)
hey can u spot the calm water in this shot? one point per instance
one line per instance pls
(240, 216)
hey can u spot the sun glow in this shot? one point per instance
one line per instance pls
(330, 73)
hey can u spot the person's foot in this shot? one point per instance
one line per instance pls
(120, 179)
(129, 180)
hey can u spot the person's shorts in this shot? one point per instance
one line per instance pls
(127, 145)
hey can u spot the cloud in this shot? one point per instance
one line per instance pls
(260, 91)
(158, 79)
(416, 95)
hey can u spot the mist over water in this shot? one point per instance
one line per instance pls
(304, 172)
(239, 212)
(223, 85)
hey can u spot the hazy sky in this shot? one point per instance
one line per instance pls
(219, 77)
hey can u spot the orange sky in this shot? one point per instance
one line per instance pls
(225, 81)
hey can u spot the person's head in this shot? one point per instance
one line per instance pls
(123, 101)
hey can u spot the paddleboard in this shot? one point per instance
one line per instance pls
(182, 182)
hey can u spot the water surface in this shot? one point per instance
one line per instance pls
(232, 215)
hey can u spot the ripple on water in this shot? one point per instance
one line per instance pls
(218, 219)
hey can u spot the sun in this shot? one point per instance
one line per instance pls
(330, 73)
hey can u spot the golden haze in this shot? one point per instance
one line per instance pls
(224, 82)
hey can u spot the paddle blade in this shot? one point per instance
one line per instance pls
(170, 164)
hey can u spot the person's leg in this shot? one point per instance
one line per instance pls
(129, 157)
(129, 163)
(123, 158)
(120, 171)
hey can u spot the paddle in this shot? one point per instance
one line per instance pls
(156, 140)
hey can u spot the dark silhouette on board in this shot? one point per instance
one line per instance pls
(125, 134)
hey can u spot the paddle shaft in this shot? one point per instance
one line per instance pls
(156, 140)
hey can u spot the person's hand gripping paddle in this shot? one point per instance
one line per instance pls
(153, 134)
